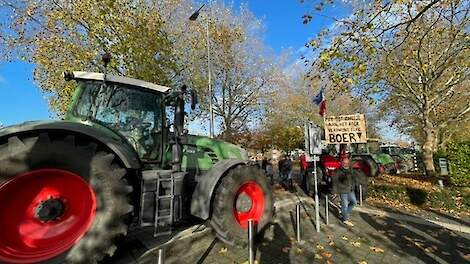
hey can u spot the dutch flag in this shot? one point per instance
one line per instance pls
(320, 100)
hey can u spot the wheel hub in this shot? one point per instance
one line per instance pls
(243, 203)
(248, 203)
(50, 210)
(47, 212)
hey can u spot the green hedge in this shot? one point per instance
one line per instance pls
(458, 159)
(448, 198)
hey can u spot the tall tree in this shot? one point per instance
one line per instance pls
(61, 35)
(412, 56)
(242, 68)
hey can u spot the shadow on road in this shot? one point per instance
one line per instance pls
(272, 251)
(428, 243)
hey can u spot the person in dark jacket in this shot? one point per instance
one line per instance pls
(285, 170)
(344, 185)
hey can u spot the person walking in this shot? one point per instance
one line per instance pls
(269, 170)
(303, 168)
(285, 171)
(264, 163)
(344, 185)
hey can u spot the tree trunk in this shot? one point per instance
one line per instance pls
(428, 148)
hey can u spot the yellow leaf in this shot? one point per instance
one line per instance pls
(345, 238)
(299, 250)
(362, 262)
(356, 244)
(223, 250)
(377, 249)
(326, 254)
(320, 247)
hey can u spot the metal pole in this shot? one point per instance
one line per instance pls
(211, 111)
(327, 212)
(360, 194)
(251, 252)
(297, 221)
(317, 203)
(161, 256)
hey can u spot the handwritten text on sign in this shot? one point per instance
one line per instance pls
(345, 129)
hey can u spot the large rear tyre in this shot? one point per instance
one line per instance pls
(243, 194)
(66, 200)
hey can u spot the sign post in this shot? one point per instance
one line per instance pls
(345, 129)
(313, 147)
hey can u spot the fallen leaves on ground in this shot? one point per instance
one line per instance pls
(246, 262)
(318, 256)
(429, 250)
(320, 247)
(326, 254)
(345, 238)
(356, 243)
(223, 250)
(377, 249)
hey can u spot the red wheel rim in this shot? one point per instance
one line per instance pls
(255, 193)
(25, 237)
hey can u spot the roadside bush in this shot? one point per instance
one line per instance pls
(458, 158)
(444, 199)
(450, 199)
(417, 196)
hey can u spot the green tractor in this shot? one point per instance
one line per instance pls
(403, 157)
(69, 188)
(378, 162)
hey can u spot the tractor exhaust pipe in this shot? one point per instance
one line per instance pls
(177, 151)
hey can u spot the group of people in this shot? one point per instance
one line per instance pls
(343, 181)
(284, 166)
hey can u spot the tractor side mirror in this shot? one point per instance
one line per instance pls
(193, 99)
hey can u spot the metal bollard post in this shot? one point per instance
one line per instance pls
(161, 256)
(327, 212)
(360, 194)
(297, 221)
(317, 202)
(251, 252)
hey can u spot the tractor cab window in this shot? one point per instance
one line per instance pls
(130, 111)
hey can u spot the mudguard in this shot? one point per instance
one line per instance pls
(206, 184)
(117, 145)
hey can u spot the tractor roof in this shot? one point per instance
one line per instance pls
(78, 75)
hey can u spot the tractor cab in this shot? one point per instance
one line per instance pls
(132, 109)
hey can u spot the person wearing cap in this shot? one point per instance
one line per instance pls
(344, 185)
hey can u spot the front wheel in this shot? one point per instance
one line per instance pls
(63, 200)
(243, 194)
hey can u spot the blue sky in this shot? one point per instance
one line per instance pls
(21, 100)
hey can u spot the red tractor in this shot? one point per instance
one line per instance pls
(329, 162)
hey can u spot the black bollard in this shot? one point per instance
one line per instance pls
(297, 221)
(327, 213)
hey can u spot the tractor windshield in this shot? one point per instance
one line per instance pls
(131, 111)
